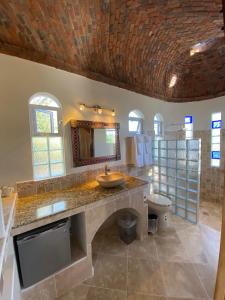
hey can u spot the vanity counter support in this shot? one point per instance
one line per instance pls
(89, 210)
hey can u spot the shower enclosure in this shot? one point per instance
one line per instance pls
(176, 174)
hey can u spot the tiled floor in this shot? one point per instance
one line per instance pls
(211, 214)
(177, 264)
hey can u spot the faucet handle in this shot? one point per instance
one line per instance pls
(106, 169)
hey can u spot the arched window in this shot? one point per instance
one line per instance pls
(135, 122)
(158, 126)
(47, 136)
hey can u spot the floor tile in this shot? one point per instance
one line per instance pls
(138, 296)
(195, 246)
(113, 245)
(178, 263)
(211, 214)
(180, 224)
(110, 272)
(83, 292)
(207, 275)
(144, 276)
(169, 232)
(145, 249)
(171, 249)
(181, 280)
(183, 298)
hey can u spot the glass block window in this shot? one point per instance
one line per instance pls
(158, 126)
(216, 125)
(47, 137)
(188, 125)
(176, 174)
(135, 122)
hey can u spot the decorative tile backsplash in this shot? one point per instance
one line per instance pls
(29, 188)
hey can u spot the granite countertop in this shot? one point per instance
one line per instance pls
(35, 208)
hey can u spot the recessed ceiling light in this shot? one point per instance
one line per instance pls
(197, 48)
(173, 81)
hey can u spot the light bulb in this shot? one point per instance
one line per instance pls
(113, 113)
(100, 110)
(82, 106)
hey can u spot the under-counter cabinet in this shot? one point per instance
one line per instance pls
(43, 251)
(46, 250)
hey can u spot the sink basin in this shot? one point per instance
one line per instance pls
(110, 180)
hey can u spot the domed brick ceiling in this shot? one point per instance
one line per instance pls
(168, 49)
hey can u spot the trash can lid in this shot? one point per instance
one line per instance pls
(127, 220)
(159, 200)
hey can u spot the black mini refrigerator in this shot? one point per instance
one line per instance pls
(43, 251)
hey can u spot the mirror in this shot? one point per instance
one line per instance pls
(94, 142)
(97, 142)
(104, 142)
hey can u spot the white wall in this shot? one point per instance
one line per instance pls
(20, 79)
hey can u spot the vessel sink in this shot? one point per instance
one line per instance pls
(110, 180)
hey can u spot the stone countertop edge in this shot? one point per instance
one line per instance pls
(8, 212)
(19, 229)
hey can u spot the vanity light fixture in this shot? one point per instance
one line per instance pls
(100, 110)
(96, 108)
(82, 106)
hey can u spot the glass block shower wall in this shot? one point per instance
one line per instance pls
(176, 174)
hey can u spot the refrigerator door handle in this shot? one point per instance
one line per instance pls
(59, 226)
(27, 238)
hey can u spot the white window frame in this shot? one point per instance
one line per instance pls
(215, 163)
(158, 121)
(34, 108)
(34, 133)
(140, 120)
(188, 128)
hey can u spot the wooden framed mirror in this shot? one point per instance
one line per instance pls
(94, 142)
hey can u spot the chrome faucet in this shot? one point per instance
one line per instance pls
(107, 170)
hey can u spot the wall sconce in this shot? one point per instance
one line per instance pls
(97, 109)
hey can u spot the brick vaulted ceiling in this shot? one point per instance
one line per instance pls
(169, 49)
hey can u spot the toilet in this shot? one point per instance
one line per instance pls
(160, 205)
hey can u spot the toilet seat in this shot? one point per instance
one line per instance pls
(160, 200)
(160, 205)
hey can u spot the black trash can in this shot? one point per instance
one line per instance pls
(127, 223)
(152, 223)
